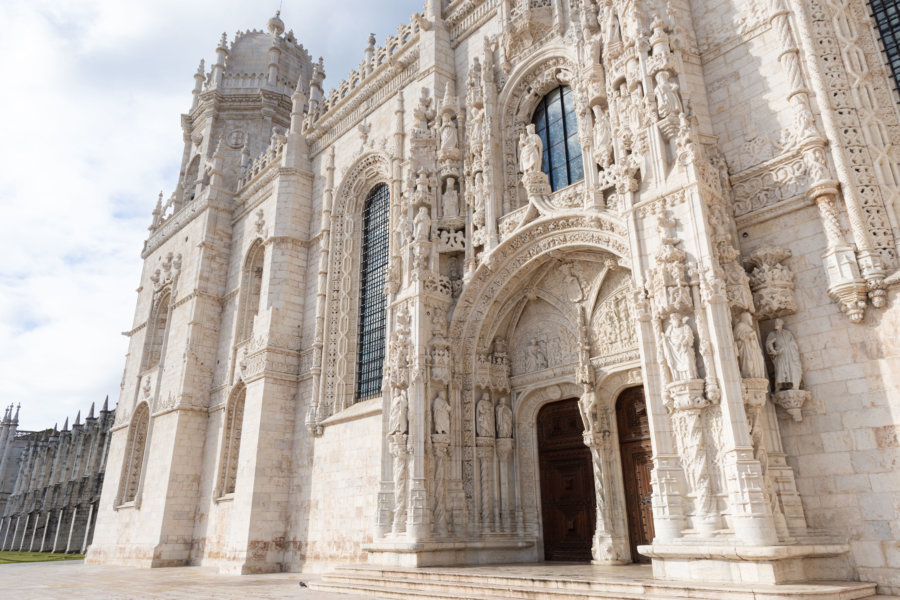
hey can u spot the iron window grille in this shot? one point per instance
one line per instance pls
(372, 303)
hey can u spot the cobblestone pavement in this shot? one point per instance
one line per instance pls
(75, 580)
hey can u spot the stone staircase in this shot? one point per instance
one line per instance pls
(562, 582)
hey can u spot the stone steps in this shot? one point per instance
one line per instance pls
(494, 583)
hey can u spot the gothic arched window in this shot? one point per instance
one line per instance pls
(231, 443)
(251, 286)
(372, 304)
(555, 122)
(134, 453)
(156, 331)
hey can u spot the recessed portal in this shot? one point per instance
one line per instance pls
(634, 442)
(567, 483)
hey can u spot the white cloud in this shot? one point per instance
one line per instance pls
(93, 93)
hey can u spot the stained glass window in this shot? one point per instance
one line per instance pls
(887, 17)
(555, 122)
(370, 358)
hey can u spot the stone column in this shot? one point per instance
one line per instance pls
(484, 455)
(441, 445)
(71, 529)
(504, 453)
(400, 453)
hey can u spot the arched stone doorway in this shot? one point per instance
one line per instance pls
(568, 506)
(636, 452)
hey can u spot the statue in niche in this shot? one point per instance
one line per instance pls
(667, 100)
(603, 142)
(484, 417)
(574, 291)
(449, 147)
(636, 109)
(504, 418)
(399, 423)
(749, 351)
(450, 199)
(422, 195)
(531, 150)
(422, 225)
(440, 411)
(612, 33)
(423, 112)
(535, 358)
(678, 347)
(785, 353)
(477, 124)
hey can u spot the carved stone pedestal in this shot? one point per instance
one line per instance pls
(792, 401)
(687, 402)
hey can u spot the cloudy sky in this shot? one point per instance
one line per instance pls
(93, 90)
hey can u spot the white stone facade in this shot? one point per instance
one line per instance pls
(740, 171)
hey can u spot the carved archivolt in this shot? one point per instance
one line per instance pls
(343, 279)
(548, 70)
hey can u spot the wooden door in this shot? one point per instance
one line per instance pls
(634, 442)
(568, 506)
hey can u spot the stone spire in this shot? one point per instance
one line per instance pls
(66, 425)
(78, 419)
(15, 420)
(91, 413)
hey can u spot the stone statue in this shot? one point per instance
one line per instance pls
(440, 411)
(749, 352)
(422, 195)
(535, 359)
(484, 417)
(603, 150)
(678, 346)
(477, 125)
(399, 413)
(449, 147)
(504, 418)
(782, 347)
(667, 100)
(422, 225)
(531, 150)
(450, 199)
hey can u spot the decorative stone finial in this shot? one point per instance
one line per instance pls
(276, 25)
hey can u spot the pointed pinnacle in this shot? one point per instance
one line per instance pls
(66, 425)
(105, 404)
(78, 418)
(91, 413)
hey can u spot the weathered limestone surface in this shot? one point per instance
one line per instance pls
(731, 247)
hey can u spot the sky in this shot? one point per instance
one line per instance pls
(90, 135)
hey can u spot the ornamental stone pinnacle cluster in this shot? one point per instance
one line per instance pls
(674, 219)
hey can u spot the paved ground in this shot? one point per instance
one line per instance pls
(75, 580)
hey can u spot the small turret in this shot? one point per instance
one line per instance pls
(105, 404)
(221, 55)
(77, 419)
(66, 425)
(91, 413)
(15, 420)
(370, 54)
(199, 78)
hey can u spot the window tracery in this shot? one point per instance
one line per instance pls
(231, 445)
(556, 123)
(372, 304)
(156, 332)
(134, 461)
(251, 290)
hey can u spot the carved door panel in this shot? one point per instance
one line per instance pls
(567, 483)
(636, 451)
